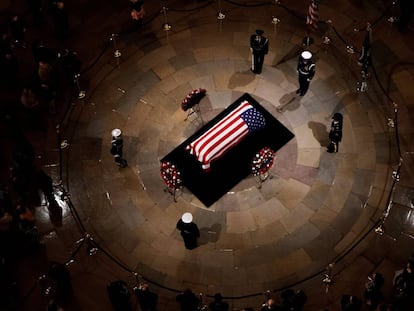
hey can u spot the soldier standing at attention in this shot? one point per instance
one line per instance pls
(335, 134)
(116, 148)
(306, 71)
(259, 46)
(189, 230)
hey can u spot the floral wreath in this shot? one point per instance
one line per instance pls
(262, 161)
(193, 98)
(171, 175)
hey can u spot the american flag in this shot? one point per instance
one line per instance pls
(227, 133)
(313, 15)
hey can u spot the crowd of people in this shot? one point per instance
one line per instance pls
(371, 298)
(32, 77)
(38, 81)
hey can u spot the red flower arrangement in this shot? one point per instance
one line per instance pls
(171, 175)
(262, 161)
(193, 98)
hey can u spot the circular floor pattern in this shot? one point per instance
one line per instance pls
(316, 205)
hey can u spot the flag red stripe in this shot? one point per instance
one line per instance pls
(221, 137)
(199, 143)
(313, 16)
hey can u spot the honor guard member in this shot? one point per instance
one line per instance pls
(364, 59)
(306, 71)
(116, 148)
(259, 46)
(189, 230)
(335, 134)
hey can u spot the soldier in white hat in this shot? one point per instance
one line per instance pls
(116, 148)
(306, 71)
(189, 230)
(259, 46)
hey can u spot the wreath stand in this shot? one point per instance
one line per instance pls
(171, 177)
(191, 104)
(262, 177)
(173, 192)
(261, 164)
(195, 113)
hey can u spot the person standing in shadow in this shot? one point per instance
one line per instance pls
(147, 299)
(407, 11)
(335, 134)
(218, 304)
(117, 144)
(306, 72)
(270, 305)
(259, 46)
(189, 230)
(188, 301)
(137, 12)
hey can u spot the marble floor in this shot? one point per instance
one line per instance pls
(318, 209)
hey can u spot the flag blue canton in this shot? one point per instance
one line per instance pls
(253, 119)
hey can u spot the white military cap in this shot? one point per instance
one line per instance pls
(306, 55)
(187, 218)
(116, 132)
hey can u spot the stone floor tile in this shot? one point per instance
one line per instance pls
(363, 180)
(239, 222)
(268, 212)
(305, 138)
(316, 197)
(234, 241)
(295, 261)
(292, 192)
(271, 233)
(323, 217)
(151, 59)
(297, 218)
(309, 157)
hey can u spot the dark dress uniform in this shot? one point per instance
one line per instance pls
(364, 59)
(116, 148)
(189, 232)
(147, 299)
(259, 46)
(335, 134)
(407, 11)
(218, 304)
(306, 71)
(188, 301)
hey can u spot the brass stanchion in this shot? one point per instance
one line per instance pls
(220, 14)
(166, 26)
(275, 22)
(326, 41)
(117, 53)
(81, 93)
